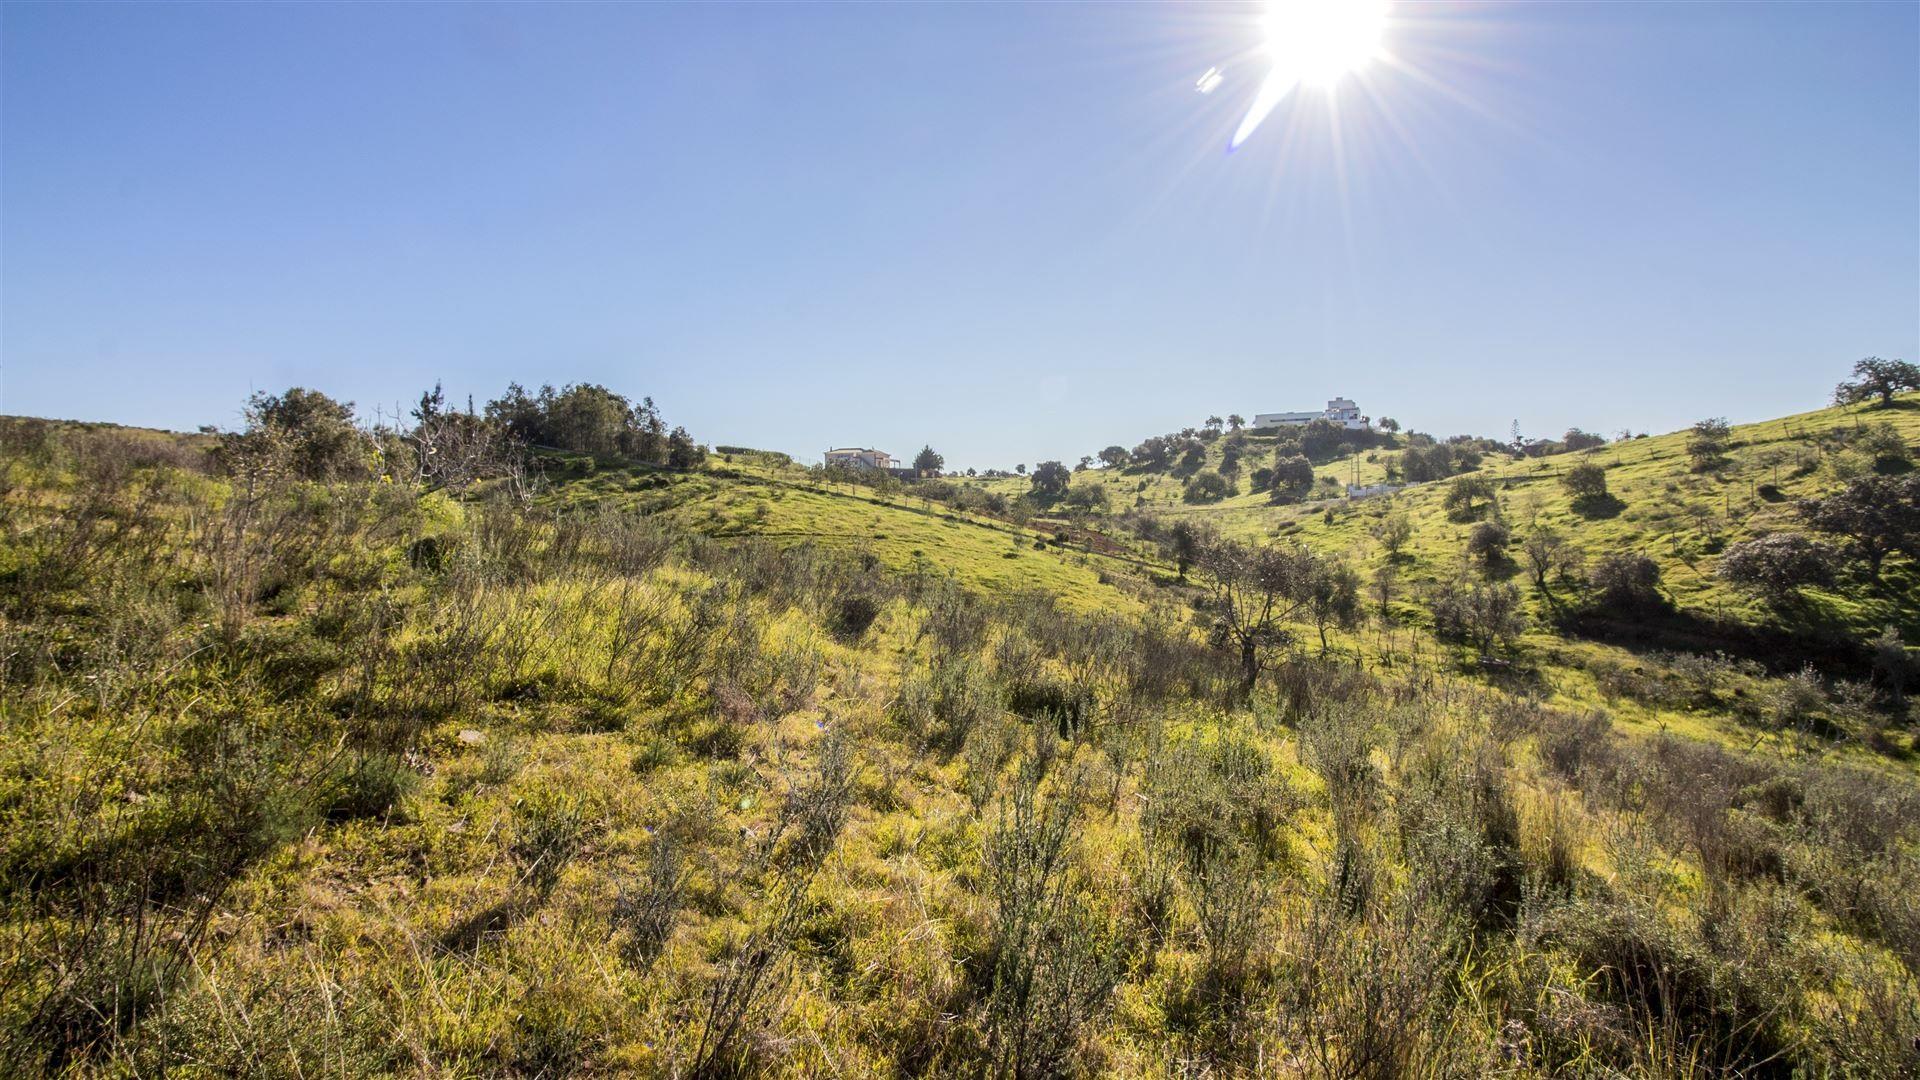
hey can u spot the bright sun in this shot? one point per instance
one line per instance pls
(1320, 40)
(1314, 42)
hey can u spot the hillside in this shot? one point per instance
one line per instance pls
(322, 760)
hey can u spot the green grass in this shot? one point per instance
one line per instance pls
(762, 499)
(735, 772)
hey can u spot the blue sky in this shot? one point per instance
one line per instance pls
(1008, 230)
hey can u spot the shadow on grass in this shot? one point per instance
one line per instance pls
(1599, 507)
(1780, 649)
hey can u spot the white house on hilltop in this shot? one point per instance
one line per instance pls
(1341, 411)
(860, 458)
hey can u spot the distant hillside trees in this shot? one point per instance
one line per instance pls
(683, 452)
(1777, 566)
(1114, 457)
(1230, 452)
(1324, 440)
(1877, 379)
(1050, 479)
(584, 418)
(1707, 443)
(1088, 498)
(1154, 453)
(1575, 440)
(929, 462)
(454, 449)
(1425, 459)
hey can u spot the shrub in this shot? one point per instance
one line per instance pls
(1707, 443)
(1586, 482)
(854, 614)
(368, 785)
(1627, 581)
(1207, 486)
(303, 432)
(1483, 614)
(1488, 542)
(1777, 566)
(1393, 532)
(1468, 498)
(1088, 497)
(1291, 478)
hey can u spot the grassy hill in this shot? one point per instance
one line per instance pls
(743, 769)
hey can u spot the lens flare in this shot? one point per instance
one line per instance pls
(1314, 42)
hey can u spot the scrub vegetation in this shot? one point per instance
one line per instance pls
(541, 740)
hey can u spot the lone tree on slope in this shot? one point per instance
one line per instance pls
(1050, 479)
(1877, 378)
(928, 462)
(1707, 443)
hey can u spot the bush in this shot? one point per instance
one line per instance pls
(1088, 497)
(1488, 542)
(368, 786)
(302, 432)
(1291, 478)
(1627, 581)
(1486, 615)
(854, 614)
(1207, 486)
(1585, 482)
(1468, 498)
(1707, 443)
(1777, 566)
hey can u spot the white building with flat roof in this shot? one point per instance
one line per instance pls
(1341, 411)
(859, 457)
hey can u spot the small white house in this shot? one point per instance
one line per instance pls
(859, 457)
(1341, 411)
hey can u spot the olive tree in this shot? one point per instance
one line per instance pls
(1050, 479)
(1777, 566)
(1879, 514)
(1255, 592)
(1874, 378)
(1585, 483)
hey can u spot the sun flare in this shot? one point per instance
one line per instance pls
(1314, 42)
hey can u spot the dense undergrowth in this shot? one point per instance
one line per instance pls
(352, 778)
